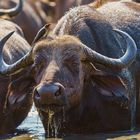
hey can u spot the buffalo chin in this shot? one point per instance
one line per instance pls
(52, 118)
(53, 108)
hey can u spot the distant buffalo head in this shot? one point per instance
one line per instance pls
(59, 66)
(8, 13)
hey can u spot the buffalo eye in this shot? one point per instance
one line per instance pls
(39, 60)
(72, 66)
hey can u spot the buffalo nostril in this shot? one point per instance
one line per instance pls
(47, 92)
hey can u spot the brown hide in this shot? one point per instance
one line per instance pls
(16, 101)
(93, 97)
(106, 96)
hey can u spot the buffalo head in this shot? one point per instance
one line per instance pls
(59, 66)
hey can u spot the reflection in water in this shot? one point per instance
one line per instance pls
(32, 129)
(33, 125)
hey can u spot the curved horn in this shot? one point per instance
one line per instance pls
(119, 63)
(6, 69)
(26, 60)
(13, 11)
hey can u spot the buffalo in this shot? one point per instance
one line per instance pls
(31, 18)
(15, 97)
(85, 74)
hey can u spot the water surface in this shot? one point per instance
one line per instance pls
(32, 129)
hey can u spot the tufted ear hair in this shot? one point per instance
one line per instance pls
(43, 32)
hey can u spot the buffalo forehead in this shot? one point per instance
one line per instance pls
(64, 44)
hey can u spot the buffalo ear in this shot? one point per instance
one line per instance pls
(44, 31)
(18, 89)
(109, 85)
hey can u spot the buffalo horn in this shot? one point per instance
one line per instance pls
(118, 63)
(6, 69)
(13, 11)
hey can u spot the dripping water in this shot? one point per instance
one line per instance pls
(54, 123)
(50, 115)
(64, 115)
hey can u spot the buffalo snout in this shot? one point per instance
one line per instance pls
(49, 94)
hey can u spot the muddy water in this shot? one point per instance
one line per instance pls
(32, 129)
